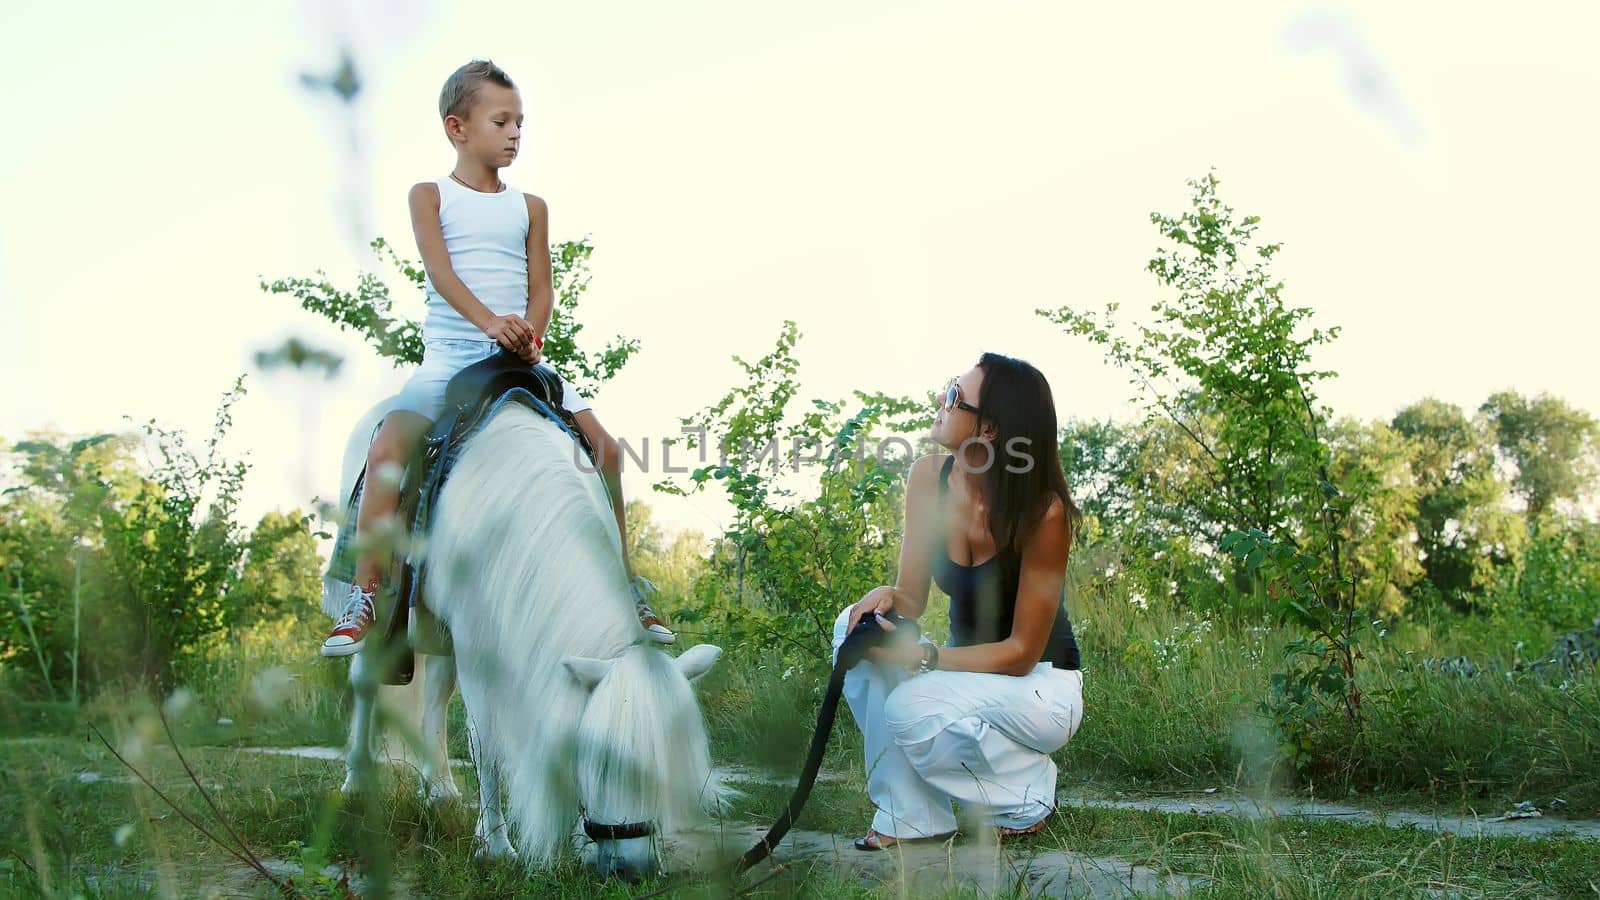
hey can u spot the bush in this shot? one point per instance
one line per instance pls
(1556, 583)
(113, 572)
(779, 576)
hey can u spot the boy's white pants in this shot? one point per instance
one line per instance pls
(980, 739)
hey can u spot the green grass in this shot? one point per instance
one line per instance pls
(1188, 719)
(1157, 718)
(69, 829)
(1245, 858)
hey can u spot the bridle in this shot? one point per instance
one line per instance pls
(867, 634)
(627, 831)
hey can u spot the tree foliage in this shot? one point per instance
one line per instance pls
(1463, 528)
(117, 568)
(1227, 362)
(1550, 444)
(816, 505)
(368, 310)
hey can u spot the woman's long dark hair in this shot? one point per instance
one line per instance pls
(1016, 399)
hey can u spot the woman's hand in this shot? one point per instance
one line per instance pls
(878, 601)
(905, 654)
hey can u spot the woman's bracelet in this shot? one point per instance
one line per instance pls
(930, 659)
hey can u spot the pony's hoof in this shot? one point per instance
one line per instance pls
(441, 793)
(495, 848)
(355, 784)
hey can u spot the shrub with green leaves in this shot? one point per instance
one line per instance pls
(1240, 461)
(116, 569)
(1555, 583)
(369, 311)
(791, 559)
(1227, 362)
(1314, 704)
(176, 548)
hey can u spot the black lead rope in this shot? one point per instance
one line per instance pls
(866, 635)
(808, 775)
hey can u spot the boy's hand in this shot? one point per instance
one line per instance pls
(530, 354)
(511, 332)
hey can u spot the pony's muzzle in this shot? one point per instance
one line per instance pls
(632, 860)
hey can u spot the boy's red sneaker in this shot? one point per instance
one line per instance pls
(642, 588)
(350, 632)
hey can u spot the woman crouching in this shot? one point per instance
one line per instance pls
(991, 523)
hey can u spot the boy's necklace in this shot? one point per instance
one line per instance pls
(498, 188)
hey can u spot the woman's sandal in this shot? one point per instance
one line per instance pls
(873, 841)
(1001, 831)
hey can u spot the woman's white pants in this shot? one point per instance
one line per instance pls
(980, 739)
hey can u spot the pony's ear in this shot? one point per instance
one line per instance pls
(697, 660)
(587, 671)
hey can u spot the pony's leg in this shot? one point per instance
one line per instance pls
(494, 839)
(439, 684)
(359, 764)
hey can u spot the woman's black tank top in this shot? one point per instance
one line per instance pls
(983, 598)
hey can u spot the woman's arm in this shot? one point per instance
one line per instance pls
(1044, 570)
(909, 594)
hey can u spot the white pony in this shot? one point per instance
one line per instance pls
(567, 700)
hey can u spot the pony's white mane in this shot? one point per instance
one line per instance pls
(525, 567)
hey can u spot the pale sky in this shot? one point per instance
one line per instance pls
(907, 181)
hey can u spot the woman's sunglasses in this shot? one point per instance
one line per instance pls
(952, 398)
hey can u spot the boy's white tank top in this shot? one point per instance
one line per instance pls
(487, 237)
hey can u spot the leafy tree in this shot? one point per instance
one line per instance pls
(1556, 583)
(1228, 362)
(280, 574)
(116, 572)
(1371, 464)
(1464, 530)
(1097, 457)
(1550, 443)
(115, 569)
(52, 554)
(1136, 484)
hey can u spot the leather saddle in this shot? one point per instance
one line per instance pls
(472, 395)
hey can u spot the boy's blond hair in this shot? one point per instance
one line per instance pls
(461, 88)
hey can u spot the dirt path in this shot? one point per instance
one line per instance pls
(990, 868)
(1202, 803)
(1251, 808)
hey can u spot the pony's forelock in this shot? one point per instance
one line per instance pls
(643, 751)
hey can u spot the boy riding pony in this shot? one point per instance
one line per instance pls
(485, 248)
